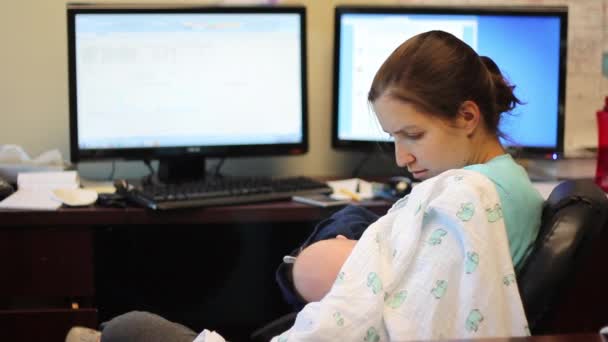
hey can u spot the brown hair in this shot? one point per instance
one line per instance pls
(437, 72)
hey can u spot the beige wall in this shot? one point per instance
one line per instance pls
(34, 104)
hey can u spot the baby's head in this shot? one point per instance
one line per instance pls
(317, 267)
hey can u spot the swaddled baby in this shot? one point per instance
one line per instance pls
(317, 266)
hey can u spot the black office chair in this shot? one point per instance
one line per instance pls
(573, 219)
(559, 270)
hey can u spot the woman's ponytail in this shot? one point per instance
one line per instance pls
(504, 97)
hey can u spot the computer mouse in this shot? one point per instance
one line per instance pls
(400, 186)
(394, 189)
(5, 189)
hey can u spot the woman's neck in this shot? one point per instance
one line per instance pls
(485, 150)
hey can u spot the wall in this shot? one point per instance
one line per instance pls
(34, 104)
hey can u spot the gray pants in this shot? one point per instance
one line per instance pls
(140, 326)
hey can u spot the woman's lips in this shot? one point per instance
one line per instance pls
(418, 173)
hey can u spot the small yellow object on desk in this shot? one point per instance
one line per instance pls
(353, 195)
(101, 187)
(353, 189)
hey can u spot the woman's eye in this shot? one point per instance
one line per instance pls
(414, 136)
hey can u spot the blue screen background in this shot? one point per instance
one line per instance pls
(527, 50)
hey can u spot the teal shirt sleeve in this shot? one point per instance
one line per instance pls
(521, 203)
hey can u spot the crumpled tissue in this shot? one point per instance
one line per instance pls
(14, 159)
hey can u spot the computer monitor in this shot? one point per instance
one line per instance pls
(528, 44)
(182, 83)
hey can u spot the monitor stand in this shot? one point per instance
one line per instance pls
(181, 169)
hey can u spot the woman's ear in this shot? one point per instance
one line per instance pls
(469, 117)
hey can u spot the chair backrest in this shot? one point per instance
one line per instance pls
(573, 218)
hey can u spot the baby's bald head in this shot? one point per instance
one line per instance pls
(317, 267)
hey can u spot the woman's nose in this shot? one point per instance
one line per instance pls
(402, 156)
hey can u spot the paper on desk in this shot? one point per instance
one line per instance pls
(14, 160)
(35, 190)
(342, 188)
(30, 200)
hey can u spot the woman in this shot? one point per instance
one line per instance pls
(442, 105)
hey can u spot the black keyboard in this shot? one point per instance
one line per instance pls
(221, 191)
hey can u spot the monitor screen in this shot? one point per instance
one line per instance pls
(154, 83)
(528, 44)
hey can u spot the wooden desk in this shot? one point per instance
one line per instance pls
(108, 261)
(189, 266)
(284, 211)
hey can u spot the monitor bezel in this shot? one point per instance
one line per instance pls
(518, 151)
(78, 154)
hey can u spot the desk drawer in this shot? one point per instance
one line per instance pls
(43, 325)
(46, 262)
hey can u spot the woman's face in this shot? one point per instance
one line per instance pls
(424, 143)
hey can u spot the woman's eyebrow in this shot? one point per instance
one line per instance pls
(405, 128)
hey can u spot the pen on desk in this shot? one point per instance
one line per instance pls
(353, 195)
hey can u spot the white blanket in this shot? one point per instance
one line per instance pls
(436, 266)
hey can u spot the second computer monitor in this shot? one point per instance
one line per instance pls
(528, 44)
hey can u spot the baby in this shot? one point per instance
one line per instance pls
(317, 266)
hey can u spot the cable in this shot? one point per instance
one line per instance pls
(111, 177)
(359, 166)
(216, 172)
(384, 152)
(148, 178)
